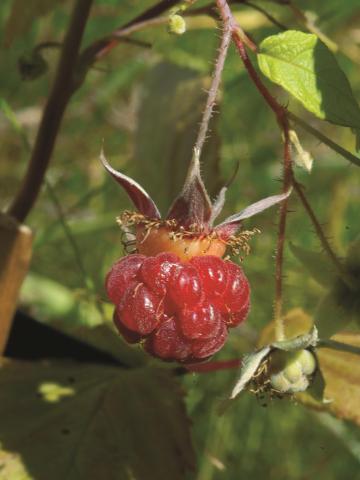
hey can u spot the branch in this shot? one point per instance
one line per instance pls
(342, 347)
(211, 100)
(50, 123)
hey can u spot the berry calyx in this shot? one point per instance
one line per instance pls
(164, 239)
(175, 308)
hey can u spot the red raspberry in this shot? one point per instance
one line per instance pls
(206, 348)
(140, 309)
(181, 309)
(121, 275)
(202, 321)
(213, 273)
(155, 271)
(185, 285)
(237, 289)
(168, 343)
(180, 296)
(128, 335)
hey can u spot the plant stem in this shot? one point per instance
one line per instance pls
(344, 275)
(216, 79)
(50, 123)
(281, 116)
(342, 347)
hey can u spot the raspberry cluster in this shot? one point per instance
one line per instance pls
(179, 310)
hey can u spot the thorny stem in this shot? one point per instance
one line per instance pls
(282, 119)
(53, 113)
(216, 78)
(344, 275)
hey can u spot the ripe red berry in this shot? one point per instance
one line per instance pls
(179, 296)
(140, 309)
(185, 285)
(202, 321)
(168, 343)
(213, 273)
(122, 274)
(206, 348)
(181, 309)
(155, 271)
(237, 289)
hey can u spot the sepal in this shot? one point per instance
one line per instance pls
(193, 205)
(140, 198)
(232, 223)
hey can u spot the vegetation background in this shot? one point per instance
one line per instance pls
(143, 102)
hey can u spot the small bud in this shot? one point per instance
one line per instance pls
(176, 25)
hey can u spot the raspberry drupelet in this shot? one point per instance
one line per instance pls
(176, 295)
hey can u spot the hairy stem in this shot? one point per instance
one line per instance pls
(342, 272)
(50, 123)
(215, 83)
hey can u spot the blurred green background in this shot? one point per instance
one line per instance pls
(143, 103)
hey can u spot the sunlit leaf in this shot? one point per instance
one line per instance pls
(96, 422)
(307, 69)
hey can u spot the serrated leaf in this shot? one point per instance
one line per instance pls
(316, 263)
(96, 422)
(22, 15)
(308, 70)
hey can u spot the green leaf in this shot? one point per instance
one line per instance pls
(307, 69)
(22, 15)
(316, 263)
(63, 420)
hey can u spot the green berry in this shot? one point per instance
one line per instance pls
(279, 382)
(307, 361)
(293, 372)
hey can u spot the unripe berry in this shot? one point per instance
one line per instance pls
(290, 371)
